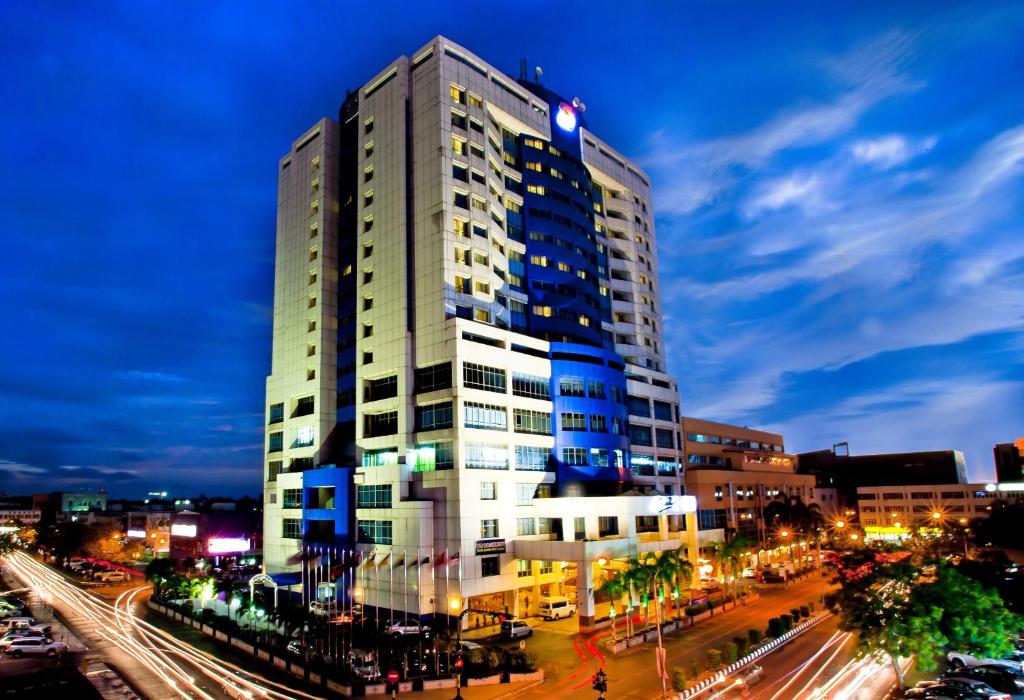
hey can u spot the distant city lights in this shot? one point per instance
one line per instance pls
(228, 545)
(183, 530)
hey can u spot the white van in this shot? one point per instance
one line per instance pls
(556, 607)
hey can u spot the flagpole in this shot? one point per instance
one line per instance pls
(391, 585)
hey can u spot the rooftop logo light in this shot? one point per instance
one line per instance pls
(565, 117)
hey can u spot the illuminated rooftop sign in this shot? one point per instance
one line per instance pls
(183, 530)
(228, 545)
(565, 117)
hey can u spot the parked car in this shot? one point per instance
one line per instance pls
(322, 608)
(514, 629)
(956, 689)
(112, 576)
(1002, 678)
(556, 607)
(960, 659)
(403, 627)
(15, 623)
(35, 646)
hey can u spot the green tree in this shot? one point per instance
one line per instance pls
(159, 571)
(6, 544)
(903, 603)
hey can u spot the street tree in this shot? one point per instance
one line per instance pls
(904, 602)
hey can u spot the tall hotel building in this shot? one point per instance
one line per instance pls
(468, 383)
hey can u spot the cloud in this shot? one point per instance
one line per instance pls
(865, 77)
(150, 376)
(889, 151)
(800, 190)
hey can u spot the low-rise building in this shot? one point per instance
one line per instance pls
(735, 473)
(893, 512)
(1009, 457)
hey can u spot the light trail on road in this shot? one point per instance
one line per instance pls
(148, 644)
(837, 640)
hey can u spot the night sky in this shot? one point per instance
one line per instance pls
(838, 193)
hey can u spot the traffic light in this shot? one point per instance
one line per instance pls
(459, 662)
(600, 682)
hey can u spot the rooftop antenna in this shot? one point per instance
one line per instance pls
(538, 72)
(522, 69)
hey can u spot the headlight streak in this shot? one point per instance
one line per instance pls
(151, 646)
(837, 639)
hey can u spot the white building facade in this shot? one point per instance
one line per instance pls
(468, 363)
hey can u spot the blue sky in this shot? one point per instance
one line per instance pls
(838, 191)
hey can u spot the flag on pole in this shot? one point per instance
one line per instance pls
(454, 559)
(442, 559)
(369, 559)
(384, 560)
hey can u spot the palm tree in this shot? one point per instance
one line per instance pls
(637, 577)
(731, 555)
(680, 567)
(614, 588)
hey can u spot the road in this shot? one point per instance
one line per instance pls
(157, 664)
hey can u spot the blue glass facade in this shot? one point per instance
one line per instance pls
(327, 506)
(588, 415)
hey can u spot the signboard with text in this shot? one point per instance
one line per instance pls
(494, 545)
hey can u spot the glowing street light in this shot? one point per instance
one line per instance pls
(840, 524)
(454, 603)
(936, 515)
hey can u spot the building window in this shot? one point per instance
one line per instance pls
(526, 526)
(367, 357)
(523, 568)
(476, 376)
(483, 456)
(524, 494)
(595, 389)
(305, 436)
(638, 406)
(275, 442)
(460, 199)
(531, 387)
(607, 526)
(431, 456)
(433, 378)
(310, 350)
(291, 528)
(436, 416)
(304, 407)
(665, 438)
(480, 314)
(598, 423)
(531, 422)
(377, 424)
(367, 330)
(489, 528)
(574, 456)
(291, 498)
(488, 490)
(711, 518)
(640, 435)
(380, 458)
(574, 421)
(311, 325)
(276, 413)
(662, 410)
(571, 386)
(484, 416)
(598, 457)
(383, 388)
(374, 531)
(545, 567)
(490, 566)
(373, 496)
(532, 459)
(311, 303)
(273, 469)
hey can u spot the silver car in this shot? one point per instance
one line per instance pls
(35, 646)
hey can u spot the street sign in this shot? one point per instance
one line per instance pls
(392, 676)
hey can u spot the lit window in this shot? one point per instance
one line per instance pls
(482, 315)
(457, 94)
(475, 101)
(533, 165)
(544, 311)
(535, 189)
(482, 286)
(564, 267)
(458, 146)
